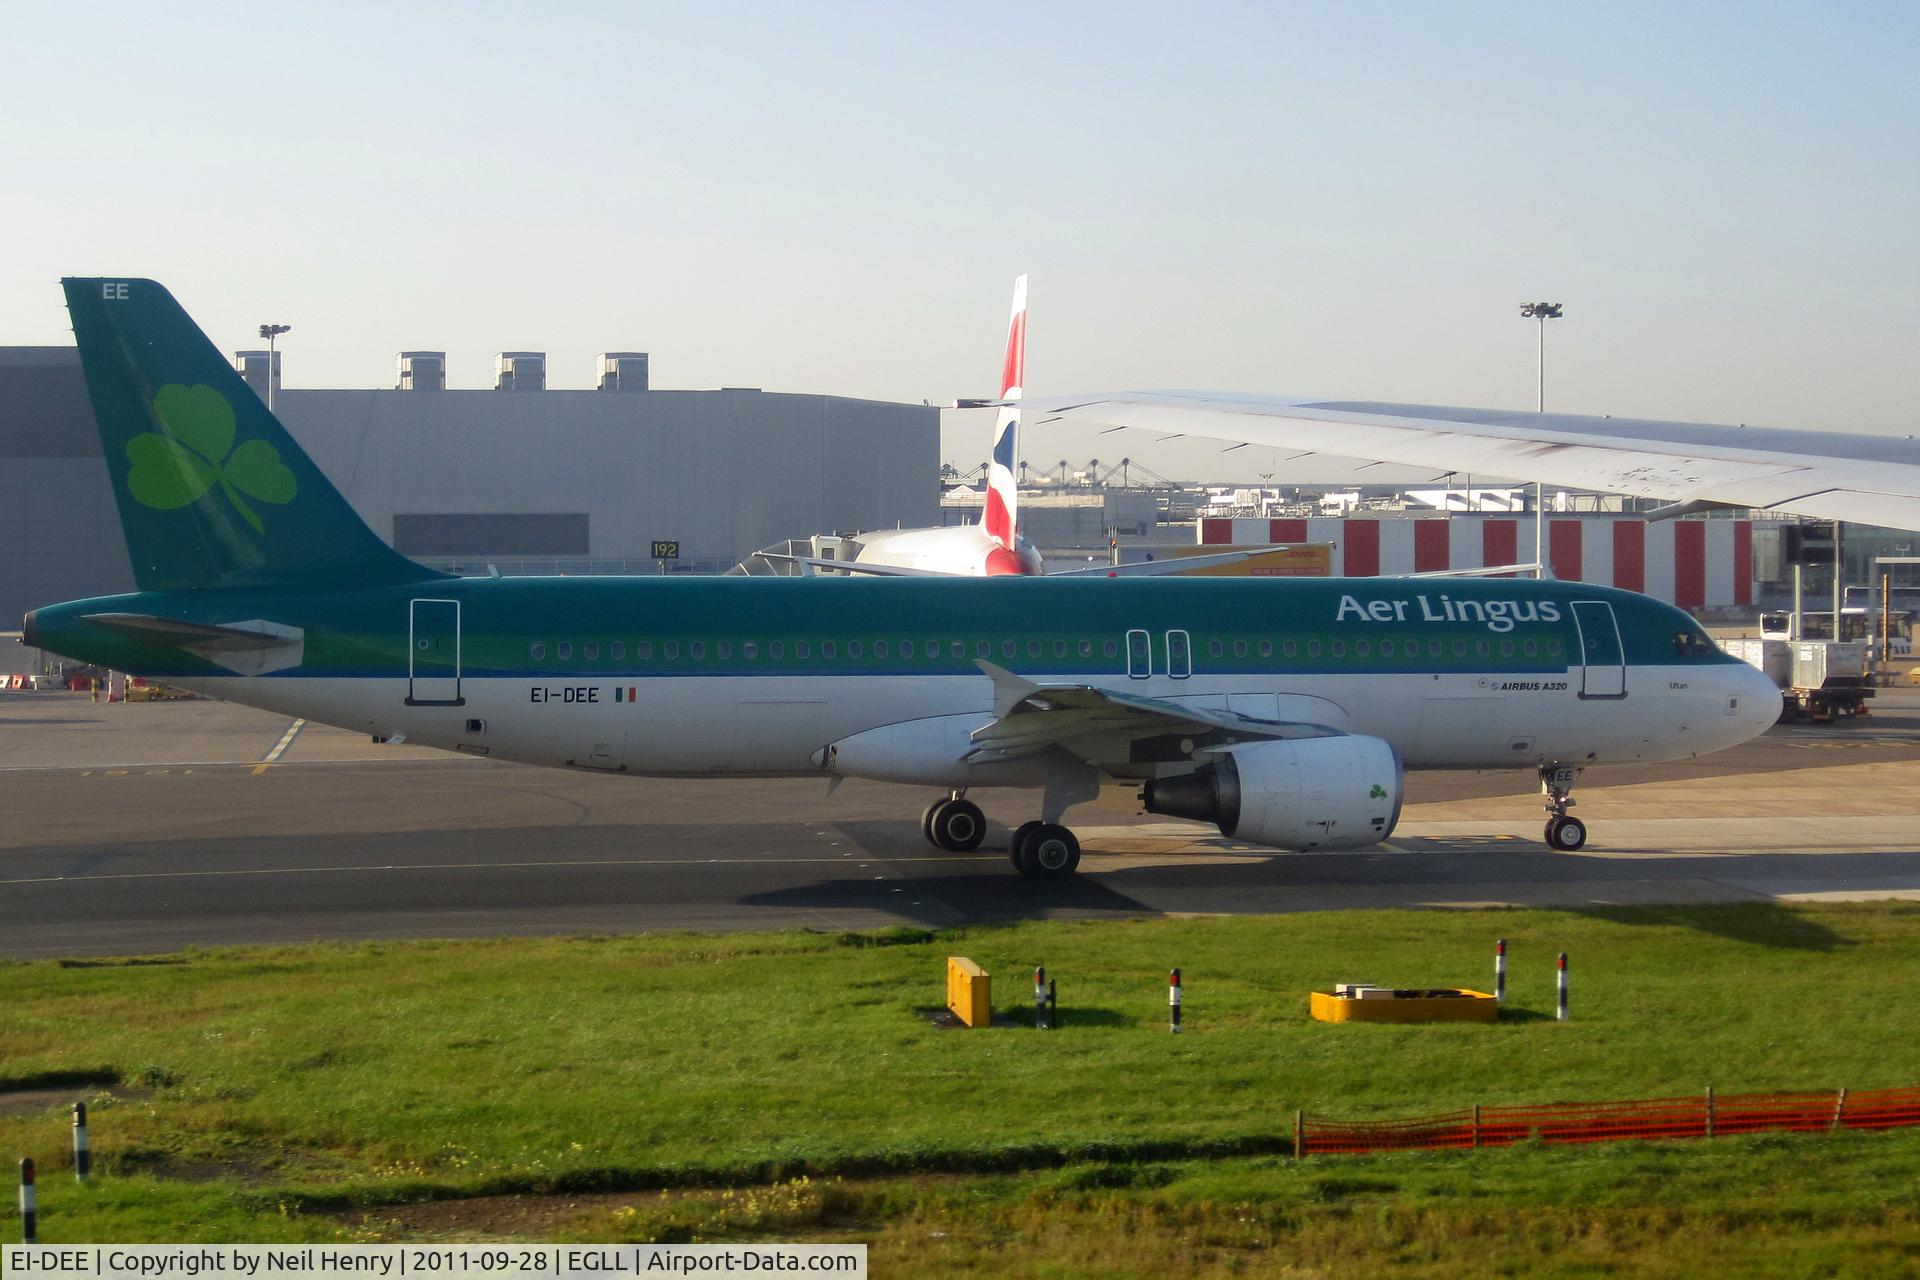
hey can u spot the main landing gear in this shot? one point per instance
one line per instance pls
(1039, 850)
(1565, 833)
(954, 824)
(1044, 851)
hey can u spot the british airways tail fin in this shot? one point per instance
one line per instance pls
(1003, 489)
(212, 490)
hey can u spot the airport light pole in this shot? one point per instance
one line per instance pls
(270, 332)
(1540, 313)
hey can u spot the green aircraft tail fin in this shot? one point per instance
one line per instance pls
(212, 490)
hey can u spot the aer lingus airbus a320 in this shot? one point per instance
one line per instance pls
(1281, 710)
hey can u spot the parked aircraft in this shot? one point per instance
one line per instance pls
(1280, 710)
(994, 547)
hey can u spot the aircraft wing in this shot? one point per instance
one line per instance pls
(1828, 475)
(816, 564)
(1154, 568)
(1100, 725)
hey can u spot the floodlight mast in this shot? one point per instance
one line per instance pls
(271, 332)
(1540, 312)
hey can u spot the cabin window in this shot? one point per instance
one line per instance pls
(564, 651)
(724, 649)
(593, 651)
(1033, 648)
(801, 649)
(1433, 648)
(983, 649)
(776, 649)
(1482, 649)
(1008, 648)
(749, 650)
(1086, 648)
(1386, 648)
(697, 650)
(1339, 648)
(879, 648)
(855, 649)
(1361, 648)
(906, 649)
(1459, 648)
(1506, 648)
(1531, 648)
(619, 650)
(1059, 648)
(1139, 655)
(1313, 648)
(1239, 648)
(1110, 648)
(828, 649)
(672, 650)
(643, 649)
(958, 649)
(1213, 649)
(1289, 649)
(537, 650)
(1553, 648)
(1266, 648)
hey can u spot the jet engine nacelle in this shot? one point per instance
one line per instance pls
(1305, 793)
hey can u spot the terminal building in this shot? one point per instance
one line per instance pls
(523, 478)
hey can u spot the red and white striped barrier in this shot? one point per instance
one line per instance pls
(1690, 563)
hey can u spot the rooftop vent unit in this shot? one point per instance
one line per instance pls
(252, 366)
(623, 371)
(422, 371)
(520, 371)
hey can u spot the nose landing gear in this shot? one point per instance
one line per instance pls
(1565, 833)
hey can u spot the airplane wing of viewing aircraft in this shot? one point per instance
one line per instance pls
(1828, 475)
(1138, 569)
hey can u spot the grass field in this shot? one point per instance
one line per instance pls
(793, 1086)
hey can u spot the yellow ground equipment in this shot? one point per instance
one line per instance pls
(1363, 1002)
(969, 992)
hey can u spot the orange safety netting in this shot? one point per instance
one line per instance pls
(1703, 1115)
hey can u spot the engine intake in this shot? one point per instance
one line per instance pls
(1307, 793)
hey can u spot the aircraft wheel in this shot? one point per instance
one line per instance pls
(958, 826)
(926, 821)
(1019, 842)
(1051, 853)
(1567, 835)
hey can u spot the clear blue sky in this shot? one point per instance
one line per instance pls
(1344, 200)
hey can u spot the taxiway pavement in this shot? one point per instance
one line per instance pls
(128, 829)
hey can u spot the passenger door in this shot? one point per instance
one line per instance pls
(1603, 657)
(433, 654)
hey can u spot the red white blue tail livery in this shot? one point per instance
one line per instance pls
(1003, 492)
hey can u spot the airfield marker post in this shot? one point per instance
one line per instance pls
(1053, 1006)
(1500, 971)
(29, 1212)
(1040, 998)
(82, 1157)
(1173, 1001)
(1710, 1111)
(1561, 1015)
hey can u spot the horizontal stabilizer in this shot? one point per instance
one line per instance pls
(253, 647)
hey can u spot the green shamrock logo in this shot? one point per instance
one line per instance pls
(1378, 793)
(196, 452)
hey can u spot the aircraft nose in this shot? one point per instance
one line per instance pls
(1758, 700)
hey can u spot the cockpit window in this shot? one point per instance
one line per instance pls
(1694, 643)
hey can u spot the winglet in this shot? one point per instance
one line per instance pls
(1009, 690)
